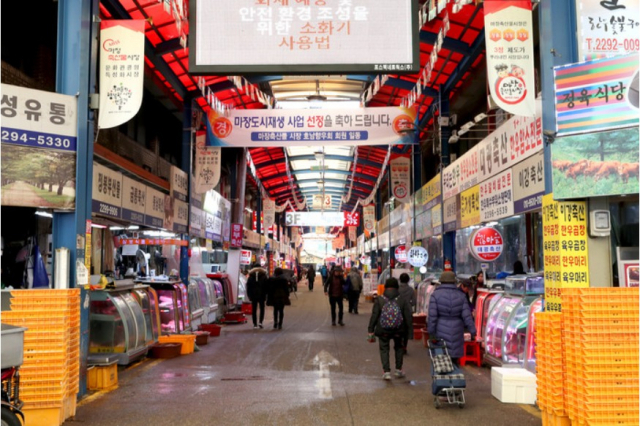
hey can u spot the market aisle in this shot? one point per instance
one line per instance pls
(308, 373)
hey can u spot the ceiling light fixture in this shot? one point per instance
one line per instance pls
(478, 118)
(319, 155)
(43, 213)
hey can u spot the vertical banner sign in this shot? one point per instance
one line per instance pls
(121, 71)
(181, 218)
(106, 192)
(528, 184)
(352, 233)
(470, 207)
(369, 214)
(39, 137)
(179, 184)
(133, 200)
(207, 165)
(496, 197)
(400, 165)
(154, 208)
(87, 245)
(436, 219)
(450, 208)
(268, 212)
(509, 37)
(196, 226)
(209, 226)
(236, 235)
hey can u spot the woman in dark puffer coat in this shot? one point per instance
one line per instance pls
(449, 314)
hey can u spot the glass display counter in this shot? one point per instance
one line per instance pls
(530, 346)
(173, 304)
(208, 300)
(147, 298)
(485, 302)
(195, 305)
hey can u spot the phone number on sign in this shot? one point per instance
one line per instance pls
(38, 140)
(612, 44)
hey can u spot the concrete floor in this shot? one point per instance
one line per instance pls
(308, 373)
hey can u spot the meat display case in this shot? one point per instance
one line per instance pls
(147, 298)
(195, 304)
(117, 324)
(208, 299)
(424, 290)
(506, 329)
(173, 303)
(486, 300)
(530, 347)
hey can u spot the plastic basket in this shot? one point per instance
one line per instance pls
(188, 342)
(102, 377)
(213, 329)
(166, 350)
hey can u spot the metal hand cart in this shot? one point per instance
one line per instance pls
(449, 385)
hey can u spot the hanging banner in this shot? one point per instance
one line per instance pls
(121, 70)
(369, 215)
(268, 212)
(322, 202)
(260, 128)
(352, 233)
(470, 207)
(106, 192)
(154, 208)
(39, 137)
(528, 184)
(133, 200)
(400, 166)
(236, 235)
(207, 165)
(245, 257)
(179, 184)
(450, 208)
(181, 219)
(496, 197)
(605, 28)
(509, 37)
(597, 95)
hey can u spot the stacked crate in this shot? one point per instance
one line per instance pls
(601, 341)
(550, 373)
(49, 376)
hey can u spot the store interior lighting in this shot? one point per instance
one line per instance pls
(478, 118)
(95, 225)
(247, 209)
(43, 213)
(159, 234)
(319, 155)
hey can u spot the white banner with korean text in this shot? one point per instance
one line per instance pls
(259, 128)
(154, 208)
(369, 216)
(496, 197)
(509, 37)
(207, 165)
(121, 70)
(179, 184)
(106, 193)
(400, 166)
(528, 184)
(133, 200)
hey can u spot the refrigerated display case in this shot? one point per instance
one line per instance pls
(173, 305)
(424, 290)
(485, 301)
(195, 304)
(506, 329)
(223, 279)
(208, 300)
(530, 346)
(147, 298)
(219, 298)
(117, 324)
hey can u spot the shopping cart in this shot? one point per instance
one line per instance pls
(447, 379)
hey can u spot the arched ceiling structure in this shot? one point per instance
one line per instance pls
(167, 69)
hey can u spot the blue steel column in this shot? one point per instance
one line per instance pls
(416, 183)
(449, 238)
(76, 75)
(558, 46)
(185, 165)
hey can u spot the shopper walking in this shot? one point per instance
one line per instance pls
(311, 276)
(278, 296)
(409, 294)
(257, 292)
(333, 288)
(355, 284)
(391, 320)
(449, 314)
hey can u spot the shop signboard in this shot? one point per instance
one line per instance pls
(121, 70)
(209, 226)
(606, 28)
(508, 27)
(369, 216)
(450, 208)
(451, 180)
(401, 254)
(432, 193)
(436, 219)
(245, 257)
(133, 200)
(324, 219)
(566, 256)
(486, 244)
(528, 184)
(154, 208)
(597, 95)
(470, 168)
(254, 128)
(236, 235)
(107, 192)
(419, 226)
(39, 137)
(352, 234)
(400, 169)
(630, 273)
(596, 164)
(237, 37)
(496, 197)
(470, 207)
(207, 167)
(179, 184)
(426, 225)
(418, 256)
(196, 200)
(181, 219)
(196, 226)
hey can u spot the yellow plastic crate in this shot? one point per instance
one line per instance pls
(99, 377)
(188, 341)
(44, 416)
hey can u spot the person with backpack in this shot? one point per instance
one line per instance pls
(257, 293)
(391, 320)
(334, 288)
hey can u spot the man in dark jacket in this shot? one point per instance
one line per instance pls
(404, 331)
(278, 296)
(311, 276)
(409, 294)
(333, 288)
(354, 283)
(257, 293)
(449, 314)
